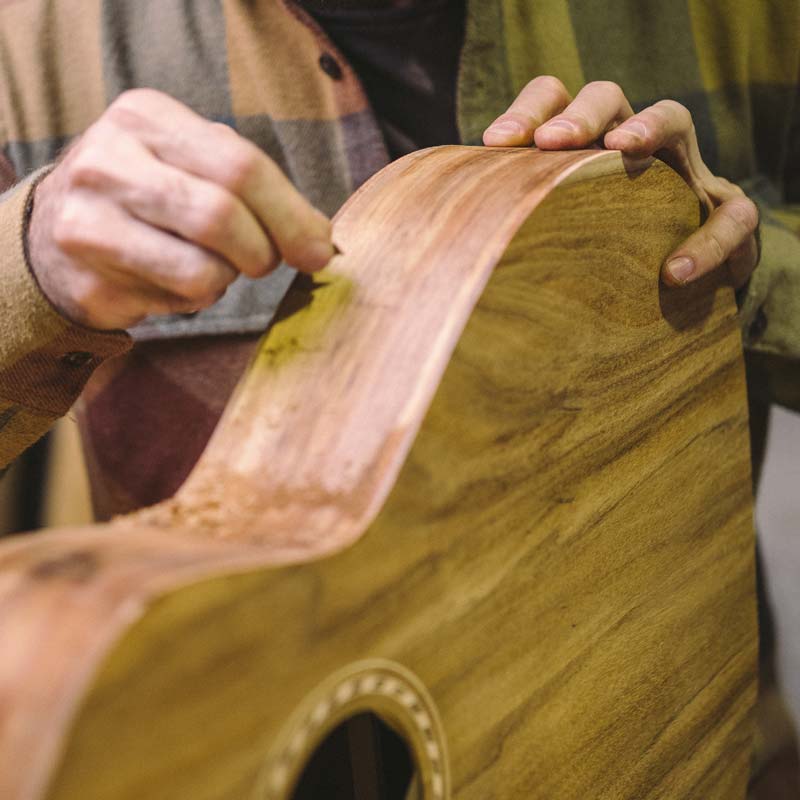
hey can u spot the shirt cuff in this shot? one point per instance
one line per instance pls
(45, 359)
(770, 305)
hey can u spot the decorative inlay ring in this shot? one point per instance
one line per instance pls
(385, 688)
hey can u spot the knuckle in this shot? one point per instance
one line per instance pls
(127, 107)
(295, 248)
(657, 114)
(86, 168)
(744, 213)
(243, 165)
(676, 110)
(220, 277)
(734, 190)
(215, 218)
(135, 99)
(519, 115)
(726, 189)
(717, 251)
(191, 283)
(258, 264)
(551, 84)
(160, 196)
(607, 87)
(261, 269)
(265, 264)
(69, 232)
(224, 130)
(292, 246)
(62, 235)
(200, 280)
(134, 109)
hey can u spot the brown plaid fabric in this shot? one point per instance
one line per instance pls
(257, 66)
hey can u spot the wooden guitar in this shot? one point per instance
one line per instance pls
(484, 492)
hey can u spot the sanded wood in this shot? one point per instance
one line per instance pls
(486, 476)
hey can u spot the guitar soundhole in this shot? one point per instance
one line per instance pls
(361, 759)
(370, 731)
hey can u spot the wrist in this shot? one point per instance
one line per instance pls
(42, 257)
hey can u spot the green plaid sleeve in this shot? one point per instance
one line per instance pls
(770, 311)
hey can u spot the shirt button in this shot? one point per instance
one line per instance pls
(330, 66)
(76, 360)
(758, 326)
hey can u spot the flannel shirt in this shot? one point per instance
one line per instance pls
(265, 68)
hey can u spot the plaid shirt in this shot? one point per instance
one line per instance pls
(260, 67)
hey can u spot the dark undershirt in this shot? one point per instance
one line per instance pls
(407, 59)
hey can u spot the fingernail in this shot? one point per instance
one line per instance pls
(505, 129)
(562, 123)
(318, 253)
(681, 269)
(634, 129)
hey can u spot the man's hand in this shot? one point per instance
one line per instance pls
(544, 114)
(155, 210)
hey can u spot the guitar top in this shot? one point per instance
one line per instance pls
(485, 488)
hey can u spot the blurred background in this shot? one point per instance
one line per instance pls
(778, 523)
(778, 518)
(47, 485)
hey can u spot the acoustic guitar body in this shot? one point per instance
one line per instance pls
(486, 478)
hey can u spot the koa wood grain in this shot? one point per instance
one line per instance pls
(485, 477)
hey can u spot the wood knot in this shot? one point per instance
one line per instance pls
(77, 566)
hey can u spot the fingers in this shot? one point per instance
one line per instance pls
(300, 232)
(544, 115)
(598, 107)
(215, 153)
(726, 237)
(165, 197)
(155, 267)
(155, 209)
(662, 125)
(542, 98)
(666, 129)
(116, 304)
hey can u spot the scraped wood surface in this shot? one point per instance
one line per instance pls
(486, 476)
